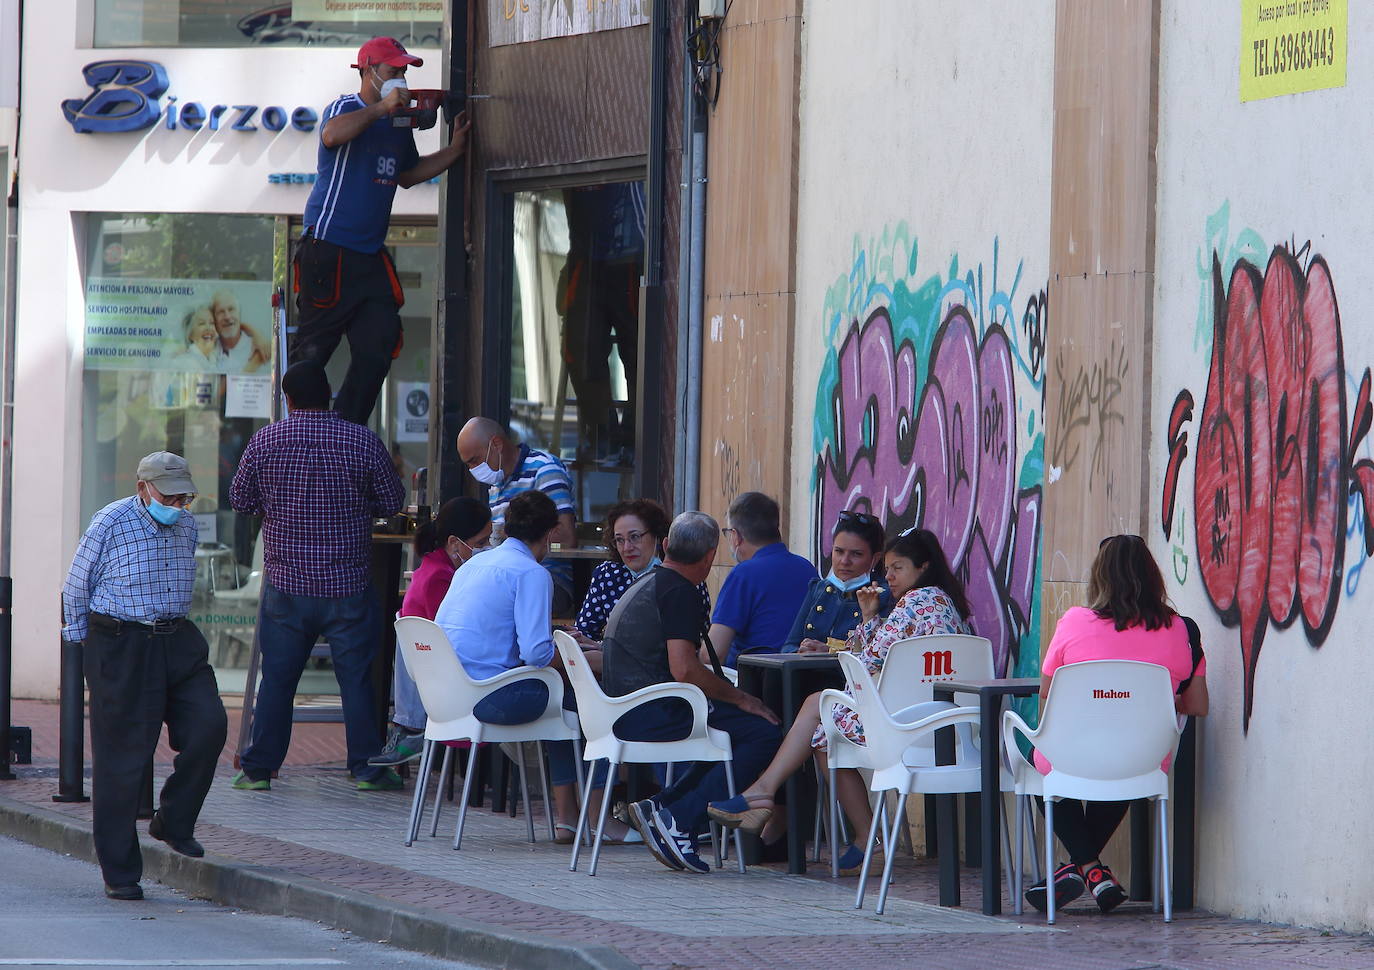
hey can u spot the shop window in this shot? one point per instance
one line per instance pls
(178, 358)
(577, 257)
(247, 23)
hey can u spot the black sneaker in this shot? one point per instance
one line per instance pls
(1105, 889)
(682, 846)
(402, 746)
(1068, 886)
(641, 817)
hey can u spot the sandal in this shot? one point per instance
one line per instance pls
(564, 833)
(852, 859)
(739, 813)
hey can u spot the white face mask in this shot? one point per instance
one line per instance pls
(847, 585)
(484, 473)
(391, 84)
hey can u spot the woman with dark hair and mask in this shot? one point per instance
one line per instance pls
(1128, 617)
(635, 533)
(460, 530)
(831, 608)
(930, 600)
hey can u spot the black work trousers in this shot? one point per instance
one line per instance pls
(1085, 828)
(345, 293)
(138, 680)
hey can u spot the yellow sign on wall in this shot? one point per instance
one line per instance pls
(1288, 46)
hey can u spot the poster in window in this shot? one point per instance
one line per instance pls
(412, 411)
(189, 326)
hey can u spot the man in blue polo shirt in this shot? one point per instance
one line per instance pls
(761, 596)
(347, 283)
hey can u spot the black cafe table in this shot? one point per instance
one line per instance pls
(791, 668)
(990, 694)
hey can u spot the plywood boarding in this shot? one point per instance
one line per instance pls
(746, 407)
(1096, 407)
(1101, 280)
(750, 257)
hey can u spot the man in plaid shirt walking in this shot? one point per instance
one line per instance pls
(318, 481)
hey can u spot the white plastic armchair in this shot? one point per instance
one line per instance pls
(910, 671)
(599, 714)
(449, 696)
(1106, 728)
(902, 756)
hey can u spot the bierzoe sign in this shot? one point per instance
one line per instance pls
(127, 96)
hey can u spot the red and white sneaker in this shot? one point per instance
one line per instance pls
(1105, 889)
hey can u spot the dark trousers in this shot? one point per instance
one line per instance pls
(290, 626)
(344, 293)
(1085, 828)
(753, 740)
(520, 703)
(138, 680)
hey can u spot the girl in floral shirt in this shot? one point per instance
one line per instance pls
(930, 599)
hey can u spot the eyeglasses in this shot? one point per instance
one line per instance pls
(861, 517)
(181, 501)
(629, 539)
(727, 530)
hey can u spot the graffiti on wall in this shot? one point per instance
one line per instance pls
(928, 413)
(1278, 470)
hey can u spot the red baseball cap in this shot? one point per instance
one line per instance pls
(385, 50)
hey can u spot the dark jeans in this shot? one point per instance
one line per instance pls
(290, 626)
(753, 740)
(521, 703)
(139, 679)
(344, 293)
(1085, 828)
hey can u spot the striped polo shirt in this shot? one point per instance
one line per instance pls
(542, 471)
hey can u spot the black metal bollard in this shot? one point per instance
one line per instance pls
(71, 740)
(6, 658)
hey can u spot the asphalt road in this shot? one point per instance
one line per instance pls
(53, 913)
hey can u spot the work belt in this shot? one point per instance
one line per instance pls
(114, 627)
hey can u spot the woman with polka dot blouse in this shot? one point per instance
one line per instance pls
(635, 532)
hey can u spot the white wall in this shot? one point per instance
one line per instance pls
(925, 142)
(64, 174)
(1283, 826)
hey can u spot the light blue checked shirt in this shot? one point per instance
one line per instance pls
(129, 567)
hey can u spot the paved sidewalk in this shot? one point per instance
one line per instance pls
(314, 827)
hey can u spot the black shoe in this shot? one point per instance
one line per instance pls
(1068, 886)
(130, 892)
(187, 846)
(1105, 889)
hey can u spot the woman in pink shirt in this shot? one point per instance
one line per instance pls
(1128, 617)
(460, 530)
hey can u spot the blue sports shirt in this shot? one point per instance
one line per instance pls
(350, 203)
(760, 599)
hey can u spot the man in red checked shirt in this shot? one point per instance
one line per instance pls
(346, 279)
(318, 481)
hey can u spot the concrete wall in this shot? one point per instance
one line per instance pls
(921, 278)
(65, 174)
(1261, 326)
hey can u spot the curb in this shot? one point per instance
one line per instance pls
(264, 889)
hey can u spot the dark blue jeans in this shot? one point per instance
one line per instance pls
(753, 740)
(521, 703)
(290, 626)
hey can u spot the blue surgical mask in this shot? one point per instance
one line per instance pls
(847, 585)
(166, 514)
(652, 563)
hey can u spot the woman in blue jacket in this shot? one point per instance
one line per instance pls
(830, 608)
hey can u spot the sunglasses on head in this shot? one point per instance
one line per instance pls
(861, 517)
(1123, 535)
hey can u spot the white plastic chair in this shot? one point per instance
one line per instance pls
(449, 696)
(902, 756)
(1106, 728)
(910, 671)
(599, 713)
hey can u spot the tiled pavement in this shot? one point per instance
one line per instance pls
(315, 824)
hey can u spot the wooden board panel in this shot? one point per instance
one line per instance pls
(1096, 418)
(1055, 600)
(1097, 390)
